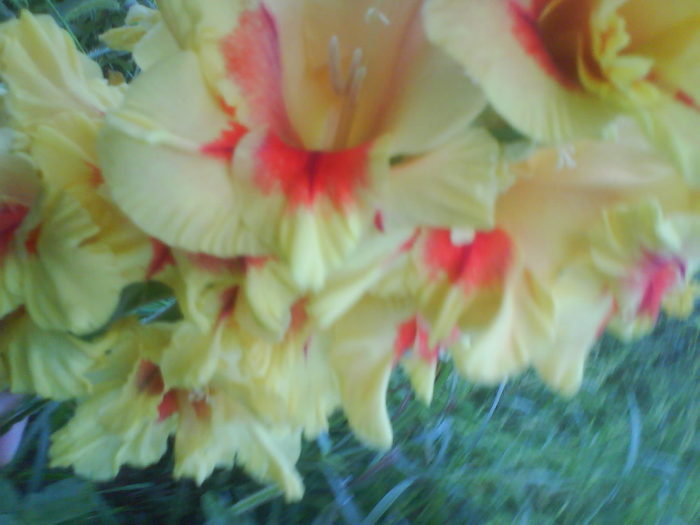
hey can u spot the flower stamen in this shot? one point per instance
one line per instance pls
(347, 87)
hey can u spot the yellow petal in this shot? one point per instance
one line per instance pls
(506, 331)
(72, 280)
(145, 35)
(516, 81)
(422, 376)
(435, 101)
(48, 363)
(65, 153)
(46, 74)
(270, 292)
(362, 359)
(582, 309)
(272, 375)
(317, 241)
(192, 357)
(11, 276)
(196, 205)
(230, 432)
(675, 126)
(373, 258)
(139, 20)
(551, 207)
(454, 185)
(96, 452)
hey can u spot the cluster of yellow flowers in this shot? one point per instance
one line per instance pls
(311, 181)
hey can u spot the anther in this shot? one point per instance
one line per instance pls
(353, 71)
(373, 12)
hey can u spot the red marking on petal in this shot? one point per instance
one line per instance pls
(687, 100)
(201, 408)
(661, 276)
(255, 262)
(482, 262)
(252, 57)
(168, 405)
(379, 221)
(412, 334)
(299, 316)
(11, 217)
(161, 258)
(405, 338)
(303, 176)
(96, 178)
(228, 302)
(32, 242)
(215, 264)
(410, 242)
(226, 107)
(149, 379)
(426, 352)
(526, 31)
(680, 96)
(224, 147)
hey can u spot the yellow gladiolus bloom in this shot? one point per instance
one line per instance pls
(594, 241)
(66, 250)
(290, 132)
(561, 69)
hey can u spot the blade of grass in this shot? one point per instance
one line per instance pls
(254, 500)
(388, 500)
(59, 16)
(635, 432)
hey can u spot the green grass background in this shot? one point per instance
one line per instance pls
(625, 450)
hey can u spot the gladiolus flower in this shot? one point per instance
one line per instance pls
(596, 244)
(562, 69)
(298, 127)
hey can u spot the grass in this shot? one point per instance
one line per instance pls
(624, 450)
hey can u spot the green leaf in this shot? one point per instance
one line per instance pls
(62, 502)
(9, 499)
(254, 500)
(25, 409)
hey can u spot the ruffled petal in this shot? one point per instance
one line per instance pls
(675, 126)
(192, 357)
(582, 311)
(515, 70)
(72, 280)
(270, 374)
(162, 133)
(362, 359)
(453, 186)
(49, 363)
(505, 331)
(65, 153)
(551, 206)
(373, 259)
(46, 75)
(144, 34)
(97, 453)
(216, 431)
